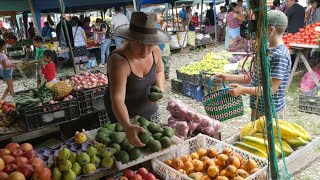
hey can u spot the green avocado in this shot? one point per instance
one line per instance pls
(116, 146)
(165, 142)
(134, 154)
(154, 97)
(110, 126)
(157, 136)
(126, 146)
(155, 89)
(154, 146)
(168, 131)
(122, 156)
(119, 127)
(118, 137)
(145, 137)
(154, 128)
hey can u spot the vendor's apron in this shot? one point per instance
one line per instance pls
(137, 91)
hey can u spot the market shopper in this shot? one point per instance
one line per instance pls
(210, 16)
(280, 67)
(195, 19)
(31, 31)
(118, 19)
(48, 66)
(132, 70)
(192, 27)
(46, 31)
(87, 28)
(234, 19)
(80, 44)
(183, 17)
(221, 23)
(6, 70)
(40, 48)
(105, 41)
(296, 16)
(314, 12)
(165, 48)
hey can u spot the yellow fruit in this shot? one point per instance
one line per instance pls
(233, 160)
(302, 132)
(295, 142)
(191, 170)
(185, 158)
(259, 143)
(254, 170)
(223, 173)
(231, 171)
(198, 165)
(248, 129)
(194, 156)
(61, 89)
(168, 162)
(221, 178)
(213, 171)
(206, 177)
(212, 153)
(201, 152)
(286, 147)
(243, 173)
(221, 159)
(249, 165)
(187, 165)
(203, 159)
(182, 171)
(251, 149)
(228, 152)
(208, 163)
(238, 178)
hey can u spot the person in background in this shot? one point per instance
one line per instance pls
(280, 67)
(80, 44)
(48, 66)
(117, 20)
(46, 31)
(210, 16)
(163, 47)
(221, 23)
(132, 70)
(314, 15)
(183, 17)
(276, 5)
(81, 20)
(296, 16)
(195, 19)
(50, 21)
(234, 19)
(62, 35)
(31, 31)
(87, 28)
(189, 19)
(40, 48)
(104, 40)
(1, 24)
(6, 70)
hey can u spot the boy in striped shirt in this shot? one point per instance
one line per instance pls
(280, 68)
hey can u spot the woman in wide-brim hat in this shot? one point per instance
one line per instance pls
(132, 69)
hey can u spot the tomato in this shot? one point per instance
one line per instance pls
(317, 23)
(308, 41)
(289, 34)
(306, 37)
(313, 26)
(301, 29)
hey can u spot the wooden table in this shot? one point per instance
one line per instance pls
(302, 52)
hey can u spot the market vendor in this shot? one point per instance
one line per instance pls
(132, 70)
(40, 48)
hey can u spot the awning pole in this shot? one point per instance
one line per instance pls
(134, 5)
(35, 22)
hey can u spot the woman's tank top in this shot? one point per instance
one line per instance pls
(137, 91)
(232, 22)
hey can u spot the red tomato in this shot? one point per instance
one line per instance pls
(301, 29)
(317, 23)
(289, 34)
(313, 26)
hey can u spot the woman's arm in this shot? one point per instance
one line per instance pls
(239, 17)
(164, 26)
(84, 36)
(118, 71)
(160, 69)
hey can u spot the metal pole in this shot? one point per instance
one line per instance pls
(215, 20)
(35, 22)
(264, 63)
(173, 16)
(64, 24)
(134, 5)
(201, 13)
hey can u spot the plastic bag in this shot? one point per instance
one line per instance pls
(174, 43)
(182, 39)
(191, 38)
(307, 83)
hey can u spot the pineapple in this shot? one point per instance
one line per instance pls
(61, 89)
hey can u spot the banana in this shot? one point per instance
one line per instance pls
(259, 143)
(248, 129)
(251, 149)
(295, 143)
(302, 132)
(286, 147)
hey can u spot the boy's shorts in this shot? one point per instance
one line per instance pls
(234, 33)
(6, 73)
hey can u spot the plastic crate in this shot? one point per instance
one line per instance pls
(103, 117)
(176, 86)
(192, 145)
(194, 79)
(310, 102)
(193, 91)
(49, 114)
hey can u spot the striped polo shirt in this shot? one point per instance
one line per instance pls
(280, 68)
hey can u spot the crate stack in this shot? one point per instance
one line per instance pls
(310, 101)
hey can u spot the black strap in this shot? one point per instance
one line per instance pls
(123, 56)
(43, 34)
(74, 36)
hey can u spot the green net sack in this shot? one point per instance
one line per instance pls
(220, 105)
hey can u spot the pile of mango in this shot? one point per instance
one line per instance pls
(253, 137)
(155, 139)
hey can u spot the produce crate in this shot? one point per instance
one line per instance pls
(84, 102)
(192, 145)
(176, 86)
(193, 91)
(103, 117)
(194, 79)
(310, 102)
(49, 114)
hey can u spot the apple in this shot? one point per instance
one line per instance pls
(149, 176)
(3, 176)
(30, 154)
(36, 163)
(10, 168)
(20, 161)
(16, 153)
(16, 176)
(2, 164)
(128, 173)
(123, 178)
(136, 177)
(12, 146)
(4, 152)
(41, 173)
(26, 147)
(142, 172)
(26, 170)
(8, 159)
(80, 138)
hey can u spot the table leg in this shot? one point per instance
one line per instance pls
(314, 77)
(294, 68)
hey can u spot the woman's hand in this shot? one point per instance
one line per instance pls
(236, 90)
(221, 78)
(132, 132)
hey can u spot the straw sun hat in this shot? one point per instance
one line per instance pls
(143, 28)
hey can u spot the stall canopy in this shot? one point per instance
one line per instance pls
(14, 5)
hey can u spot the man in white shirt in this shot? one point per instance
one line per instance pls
(117, 20)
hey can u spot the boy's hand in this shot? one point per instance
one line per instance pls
(236, 90)
(221, 78)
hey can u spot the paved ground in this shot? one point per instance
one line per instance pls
(230, 128)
